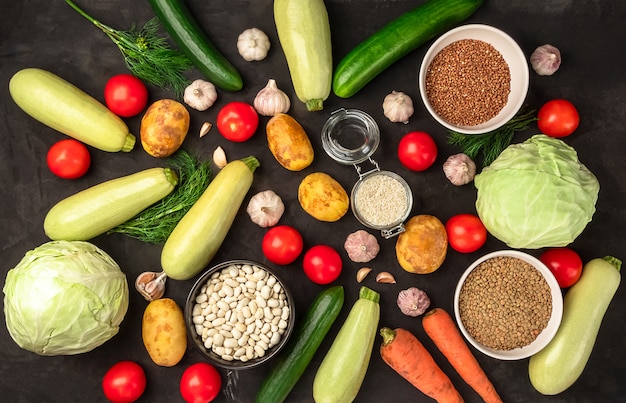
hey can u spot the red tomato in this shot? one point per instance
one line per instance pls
(417, 151)
(124, 382)
(237, 121)
(322, 264)
(200, 383)
(282, 244)
(466, 233)
(558, 118)
(564, 263)
(126, 95)
(68, 159)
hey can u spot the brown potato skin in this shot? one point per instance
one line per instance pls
(164, 127)
(289, 142)
(163, 332)
(322, 197)
(422, 247)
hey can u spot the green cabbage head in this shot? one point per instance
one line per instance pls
(64, 298)
(536, 194)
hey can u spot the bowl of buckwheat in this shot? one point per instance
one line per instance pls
(508, 305)
(239, 314)
(474, 79)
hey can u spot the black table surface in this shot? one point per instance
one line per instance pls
(50, 35)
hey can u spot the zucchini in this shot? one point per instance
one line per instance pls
(395, 40)
(304, 34)
(557, 366)
(341, 373)
(63, 107)
(293, 361)
(185, 30)
(95, 210)
(199, 234)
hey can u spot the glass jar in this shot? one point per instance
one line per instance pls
(380, 200)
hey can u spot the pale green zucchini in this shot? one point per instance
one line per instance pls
(304, 34)
(64, 107)
(341, 373)
(556, 367)
(199, 234)
(95, 210)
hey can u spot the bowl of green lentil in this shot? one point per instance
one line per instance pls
(474, 79)
(239, 314)
(508, 305)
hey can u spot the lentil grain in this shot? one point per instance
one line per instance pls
(505, 303)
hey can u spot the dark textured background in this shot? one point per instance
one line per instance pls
(50, 35)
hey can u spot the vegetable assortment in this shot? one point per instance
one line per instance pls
(198, 212)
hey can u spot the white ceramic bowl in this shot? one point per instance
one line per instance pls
(512, 54)
(546, 334)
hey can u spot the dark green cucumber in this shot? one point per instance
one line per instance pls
(397, 39)
(299, 352)
(194, 42)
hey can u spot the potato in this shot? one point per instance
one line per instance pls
(164, 127)
(163, 332)
(322, 197)
(422, 248)
(289, 142)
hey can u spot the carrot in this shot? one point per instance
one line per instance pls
(440, 327)
(404, 353)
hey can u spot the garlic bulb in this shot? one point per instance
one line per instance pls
(459, 169)
(361, 246)
(413, 301)
(200, 95)
(398, 107)
(253, 44)
(545, 60)
(265, 208)
(270, 100)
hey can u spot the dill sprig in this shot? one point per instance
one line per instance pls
(147, 55)
(156, 223)
(492, 143)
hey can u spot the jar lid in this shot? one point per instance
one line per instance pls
(350, 136)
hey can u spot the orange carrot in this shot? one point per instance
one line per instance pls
(440, 327)
(404, 353)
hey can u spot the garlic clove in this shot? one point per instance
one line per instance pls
(151, 285)
(219, 157)
(204, 130)
(460, 169)
(385, 277)
(545, 60)
(362, 273)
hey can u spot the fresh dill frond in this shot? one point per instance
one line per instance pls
(492, 143)
(156, 223)
(146, 54)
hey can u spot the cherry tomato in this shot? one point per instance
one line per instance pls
(200, 383)
(68, 159)
(237, 121)
(126, 95)
(564, 263)
(417, 151)
(322, 264)
(282, 244)
(558, 118)
(124, 382)
(466, 233)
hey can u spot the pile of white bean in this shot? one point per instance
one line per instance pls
(241, 312)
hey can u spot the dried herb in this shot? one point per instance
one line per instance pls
(492, 143)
